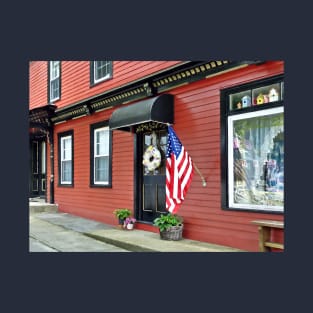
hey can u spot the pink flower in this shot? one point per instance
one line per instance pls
(129, 220)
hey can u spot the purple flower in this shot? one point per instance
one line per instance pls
(129, 220)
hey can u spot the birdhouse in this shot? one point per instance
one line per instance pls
(260, 99)
(273, 95)
(246, 101)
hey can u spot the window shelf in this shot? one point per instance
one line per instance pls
(263, 95)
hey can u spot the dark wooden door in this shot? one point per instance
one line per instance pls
(152, 182)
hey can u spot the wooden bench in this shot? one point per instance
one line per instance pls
(265, 227)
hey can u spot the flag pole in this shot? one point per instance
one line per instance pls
(198, 171)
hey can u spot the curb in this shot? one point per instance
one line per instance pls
(121, 244)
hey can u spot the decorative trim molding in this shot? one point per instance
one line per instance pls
(147, 87)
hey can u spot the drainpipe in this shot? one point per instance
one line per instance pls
(51, 166)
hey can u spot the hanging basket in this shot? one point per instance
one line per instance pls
(172, 233)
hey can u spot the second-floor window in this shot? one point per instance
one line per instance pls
(54, 80)
(100, 71)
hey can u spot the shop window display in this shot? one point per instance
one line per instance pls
(264, 95)
(254, 128)
(256, 160)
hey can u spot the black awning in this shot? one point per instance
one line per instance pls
(158, 109)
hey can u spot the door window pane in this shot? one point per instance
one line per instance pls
(158, 140)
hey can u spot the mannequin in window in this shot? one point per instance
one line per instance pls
(238, 171)
(244, 193)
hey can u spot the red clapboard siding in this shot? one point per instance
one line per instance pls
(197, 123)
(37, 84)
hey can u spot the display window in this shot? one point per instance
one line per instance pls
(253, 151)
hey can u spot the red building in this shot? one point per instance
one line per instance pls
(91, 121)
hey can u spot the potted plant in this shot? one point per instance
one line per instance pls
(129, 222)
(121, 214)
(170, 226)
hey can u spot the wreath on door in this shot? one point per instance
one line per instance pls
(152, 158)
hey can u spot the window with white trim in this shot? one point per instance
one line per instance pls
(100, 71)
(54, 80)
(252, 118)
(66, 158)
(101, 154)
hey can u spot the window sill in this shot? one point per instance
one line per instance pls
(100, 186)
(65, 185)
(253, 210)
(95, 83)
(54, 100)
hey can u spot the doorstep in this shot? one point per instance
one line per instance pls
(39, 207)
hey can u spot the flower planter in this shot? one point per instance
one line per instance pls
(172, 233)
(130, 226)
(121, 215)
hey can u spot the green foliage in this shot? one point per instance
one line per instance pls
(122, 213)
(168, 220)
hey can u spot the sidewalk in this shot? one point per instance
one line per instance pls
(120, 239)
(46, 236)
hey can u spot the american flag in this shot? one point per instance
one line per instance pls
(179, 172)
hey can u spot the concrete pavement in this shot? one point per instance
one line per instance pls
(37, 246)
(62, 239)
(68, 233)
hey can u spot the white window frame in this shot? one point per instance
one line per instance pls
(95, 155)
(230, 121)
(54, 76)
(66, 182)
(107, 76)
